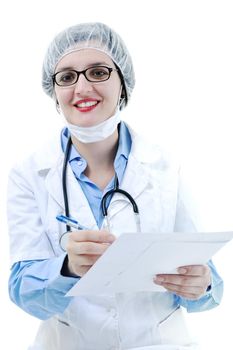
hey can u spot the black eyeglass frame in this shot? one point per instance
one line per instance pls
(110, 70)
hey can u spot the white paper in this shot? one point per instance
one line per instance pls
(132, 261)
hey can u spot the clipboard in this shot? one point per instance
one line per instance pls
(131, 262)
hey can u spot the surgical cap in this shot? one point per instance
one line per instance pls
(89, 35)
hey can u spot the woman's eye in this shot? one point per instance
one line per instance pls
(67, 77)
(98, 73)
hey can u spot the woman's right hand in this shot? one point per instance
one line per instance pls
(84, 248)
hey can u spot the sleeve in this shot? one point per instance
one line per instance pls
(38, 287)
(27, 231)
(188, 220)
(36, 284)
(211, 299)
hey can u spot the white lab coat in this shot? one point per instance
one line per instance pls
(142, 320)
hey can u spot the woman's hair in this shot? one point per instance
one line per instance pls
(90, 35)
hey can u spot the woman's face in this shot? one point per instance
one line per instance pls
(86, 103)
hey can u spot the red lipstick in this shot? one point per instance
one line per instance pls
(86, 104)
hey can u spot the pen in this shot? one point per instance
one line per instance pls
(70, 222)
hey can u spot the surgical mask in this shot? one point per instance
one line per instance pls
(97, 132)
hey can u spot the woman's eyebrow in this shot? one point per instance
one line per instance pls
(95, 64)
(98, 64)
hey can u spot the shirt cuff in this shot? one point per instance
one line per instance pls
(57, 280)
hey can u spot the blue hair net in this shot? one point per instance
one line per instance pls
(89, 35)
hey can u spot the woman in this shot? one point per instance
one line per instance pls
(89, 73)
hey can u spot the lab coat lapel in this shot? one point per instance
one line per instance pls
(136, 178)
(134, 182)
(78, 204)
(53, 184)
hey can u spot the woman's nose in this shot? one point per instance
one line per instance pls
(83, 85)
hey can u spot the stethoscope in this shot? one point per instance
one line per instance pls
(116, 189)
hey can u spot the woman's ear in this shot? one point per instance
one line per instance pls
(122, 93)
(57, 106)
(56, 102)
(122, 98)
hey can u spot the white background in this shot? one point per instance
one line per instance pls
(183, 57)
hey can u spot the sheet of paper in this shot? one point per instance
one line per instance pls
(130, 263)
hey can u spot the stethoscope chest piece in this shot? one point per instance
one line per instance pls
(63, 240)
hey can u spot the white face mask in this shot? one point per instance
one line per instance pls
(97, 132)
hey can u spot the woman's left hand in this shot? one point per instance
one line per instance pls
(191, 282)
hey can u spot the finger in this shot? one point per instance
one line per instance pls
(194, 270)
(86, 260)
(81, 270)
(82, 263)
(87, 248)
(179, 280)
(196, 292)
(91, 236)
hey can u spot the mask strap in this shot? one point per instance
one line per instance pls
(120, 100)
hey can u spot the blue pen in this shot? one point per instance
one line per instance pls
(70, 222)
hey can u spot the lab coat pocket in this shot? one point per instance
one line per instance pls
(173, 330)
(56, 334)
(67, 336)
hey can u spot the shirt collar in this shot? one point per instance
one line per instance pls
(140, 150)
(123, 147)
(65, 134)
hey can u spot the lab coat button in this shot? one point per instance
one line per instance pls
(112, 312)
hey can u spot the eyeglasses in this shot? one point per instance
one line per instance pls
(93, 74)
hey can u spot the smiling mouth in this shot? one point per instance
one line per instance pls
(86, 104)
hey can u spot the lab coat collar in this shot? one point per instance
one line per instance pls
(78, 204)
(134, 182)
(54, 155)
(135, 179)
(141, 150)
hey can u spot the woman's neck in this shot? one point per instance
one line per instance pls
(99, 155)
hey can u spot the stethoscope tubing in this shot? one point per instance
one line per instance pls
(103, 205)
(64, 180)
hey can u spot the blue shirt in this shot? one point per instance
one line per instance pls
(38, 286)
(79, 164)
